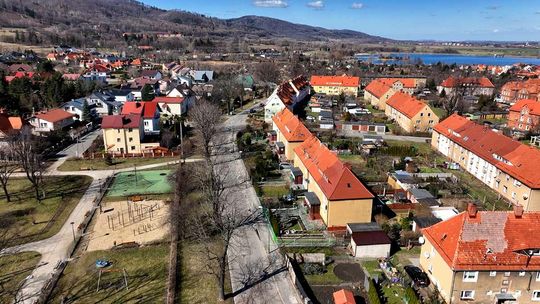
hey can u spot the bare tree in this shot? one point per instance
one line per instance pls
(227, 87)
(268, 73)
(206, 117)
(24, 147)
(7, 167)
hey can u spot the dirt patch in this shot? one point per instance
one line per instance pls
(350, 272)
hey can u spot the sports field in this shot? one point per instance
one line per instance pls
(140, 183)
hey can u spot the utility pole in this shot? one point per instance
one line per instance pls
(181, 141)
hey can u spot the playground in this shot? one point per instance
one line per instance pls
(139, 183)
(128, 222)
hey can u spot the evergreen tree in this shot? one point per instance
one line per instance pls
(86, 116)
(147, 93)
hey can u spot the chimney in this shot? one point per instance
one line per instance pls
(518, 210)
(471, 210)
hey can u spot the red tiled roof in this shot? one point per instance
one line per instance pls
(532, 105)
(364, 238)
(290, 126)
(8, 124)
(150, 109)
(493, 240)
(54, 115)
(405, 104)
(343, 81)
(145, 109)
(286, 92)
(407, 82)
(165, 99)
(378, 88)
(335, 179)
(452, 82)
(519, 160)
(121, 121)
(344, 296)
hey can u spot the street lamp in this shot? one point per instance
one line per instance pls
(73, 230)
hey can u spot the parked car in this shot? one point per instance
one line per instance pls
(418, 277)
(251, 110)
(284, 165)
(359, 111)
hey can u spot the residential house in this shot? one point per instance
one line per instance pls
(52, 120)
(513, 91)
(524, 116)
(436, 214)
(148, 110)
(152, 74)
(136, 86)
(411, 114)
(97, 73)
(422, 196)
(335, 85)
(202, 76)
(174, 106)
(290, 131)
(105, 103)
(341, 196)
(71, 77)
(76, 107)
(470, 86)
(123, 133)
(9, 125)
(291, 94)
(505, 165)
(484, 257)
(122, 95)
(377, 93)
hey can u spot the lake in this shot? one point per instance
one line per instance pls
(450, 59)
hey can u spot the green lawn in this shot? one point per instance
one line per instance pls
(28, 217)
(394, 294)
(275, 191)
(327, 278)
(372, 267)
(76, 164)
(196, 285)
(146, 270)
(439, 112)
(13, 269)
(353, 159)
(481, 192)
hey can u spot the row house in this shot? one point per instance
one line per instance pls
(471, 86)
(524, 116)
(484, 256)
(290, 94)
(505, 165)
(513, 91)
(334, 194)
(377, 93)
(336, 85)
(411, 114)
(290, 132)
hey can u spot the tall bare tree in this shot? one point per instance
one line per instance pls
(25, 149)
(268, 73)
(227, 87)
(7, 167)
(206, 117)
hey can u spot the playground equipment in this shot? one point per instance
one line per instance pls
(136, 212)
(123, 271)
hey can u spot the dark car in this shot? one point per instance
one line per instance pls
(419, 277)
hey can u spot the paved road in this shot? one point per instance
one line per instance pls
(57, 248)
(250, 262)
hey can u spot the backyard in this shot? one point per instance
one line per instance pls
(32, 220)
(13, 269)
(145, 271)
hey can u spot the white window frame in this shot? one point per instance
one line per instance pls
(538, 276)
(470, 276)
(492, 273)
(521, 273)
(536, 295)
(463, 297)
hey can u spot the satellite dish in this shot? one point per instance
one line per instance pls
(421, 240)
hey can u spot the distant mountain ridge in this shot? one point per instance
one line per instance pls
(103, 22)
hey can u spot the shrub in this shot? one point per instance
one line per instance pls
(373, 295)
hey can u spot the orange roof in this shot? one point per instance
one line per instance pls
(491, 240)
(55, 115)
(508, 155)
(8, 124)
(290, 126)
(16, 122)
(335, 179)
(136, 61)
(145, 109)
(483, 82)
(344, 296)
(165, 99)
(286, 92)
(378, 87)
(342, 81)
(405, 104)
(532, 105)
(407, 82)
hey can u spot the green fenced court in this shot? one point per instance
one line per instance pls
(140, 183)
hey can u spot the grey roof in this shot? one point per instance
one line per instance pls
(404, 177)
(280, 144)
(426, 221)
(295, 171)
(312, 199)
(77, 103)
(420, 193)
(363, 227)
(199, 75)
(431, 202)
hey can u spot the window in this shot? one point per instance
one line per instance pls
(118, 140)
(513, 195)
(536, 295)
(505, 189)
(467, 295)
(521, 273)
(131, 139)
(132, 147)
(146, 122)
(492, 273)
(507, 274)
(538, 276)
(421, 114)
(130, 130)
(470, 276)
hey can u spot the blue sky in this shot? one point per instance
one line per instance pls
(423, 19)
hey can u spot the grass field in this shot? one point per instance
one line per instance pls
(28, 217)
(274, 191)
(146, 270)
(76, 164)
(327, 278)
(140, 183)
(13, 269)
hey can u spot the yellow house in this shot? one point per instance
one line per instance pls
(340, 197)
(411, 114)
(377, 93)
(123, 133)
(290, 131)
(505, 165)
(335, 85)
(484, 257)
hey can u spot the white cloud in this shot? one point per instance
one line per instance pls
(270, 3)
(357, 5)
(316, 4)
(496, 30)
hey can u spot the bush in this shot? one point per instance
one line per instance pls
(410, 296)
(373, 295)
(314, 269)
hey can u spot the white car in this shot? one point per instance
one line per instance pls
(359, 111)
